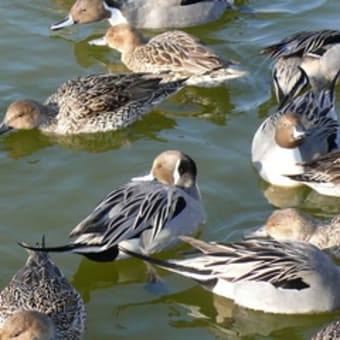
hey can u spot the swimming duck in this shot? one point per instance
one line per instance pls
(95, 103)
(322, 174)
(40, 286)
(178, 53)
(291, 224)
(329, 332)
(269, 276)
(146, 13)
(302, 130)
(28, 325)
(145, 215)
(312, 56)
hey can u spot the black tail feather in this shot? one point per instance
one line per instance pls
(57, 249)
(168, 265)
(105, 255)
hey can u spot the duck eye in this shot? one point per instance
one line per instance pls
(17, 334)
(181, 168)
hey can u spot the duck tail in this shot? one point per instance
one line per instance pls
(68, 248)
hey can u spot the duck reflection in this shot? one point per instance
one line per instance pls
(303, 198)
(24, 143)
(196, 308)
(92, 276)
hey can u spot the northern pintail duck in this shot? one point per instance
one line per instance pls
(95, 103)
(270, 276)
(41, 286)
(294, 225)
(329, 332)
(321, 174)
(28, 325)
(302, 130)
(178, 53)
(146, 13)
(146, 215)
(308, 55)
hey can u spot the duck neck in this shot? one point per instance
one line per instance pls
(133, 42)
(193, 191)
(47, 119)
(50, 112)
(116, 15)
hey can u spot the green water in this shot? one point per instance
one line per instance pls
(48, 185)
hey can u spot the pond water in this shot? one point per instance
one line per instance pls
(49, 184)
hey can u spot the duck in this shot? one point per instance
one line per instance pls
(90, 104)
(330, 331)
(145, 215)
(176, 52)
(269, 276)
(28, 325)
(322, 174)
(291, 224)
(304, 129)
(151, 14)
(302, 58)
(41, 286)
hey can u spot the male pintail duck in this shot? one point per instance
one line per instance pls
(95, 103)
(300, 131)
(329, 332)
(294, 225)
(145, 215)
(322, 174)
(28, 325)
(40, 286)
(176, 52)
(269, 276)
(313, 55)
(146, 13)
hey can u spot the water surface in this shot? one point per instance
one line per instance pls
(48, 185)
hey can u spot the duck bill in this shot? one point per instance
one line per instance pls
(98, 42)
(4, 128)
(236, 72)
(68, 21)
(258, 233)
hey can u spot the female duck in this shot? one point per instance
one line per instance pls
(176, 52)
(313, 55)
(95, 103)
(294, 225)
(274, 277)
(331, 331)
(40, 286)
(302, 130)
(146, 13)
(145, 215)
(28, 325)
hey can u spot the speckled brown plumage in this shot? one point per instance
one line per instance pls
(95, 103)
(41, 286)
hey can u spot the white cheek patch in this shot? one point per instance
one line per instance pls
(176, 175)
(117, 16)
